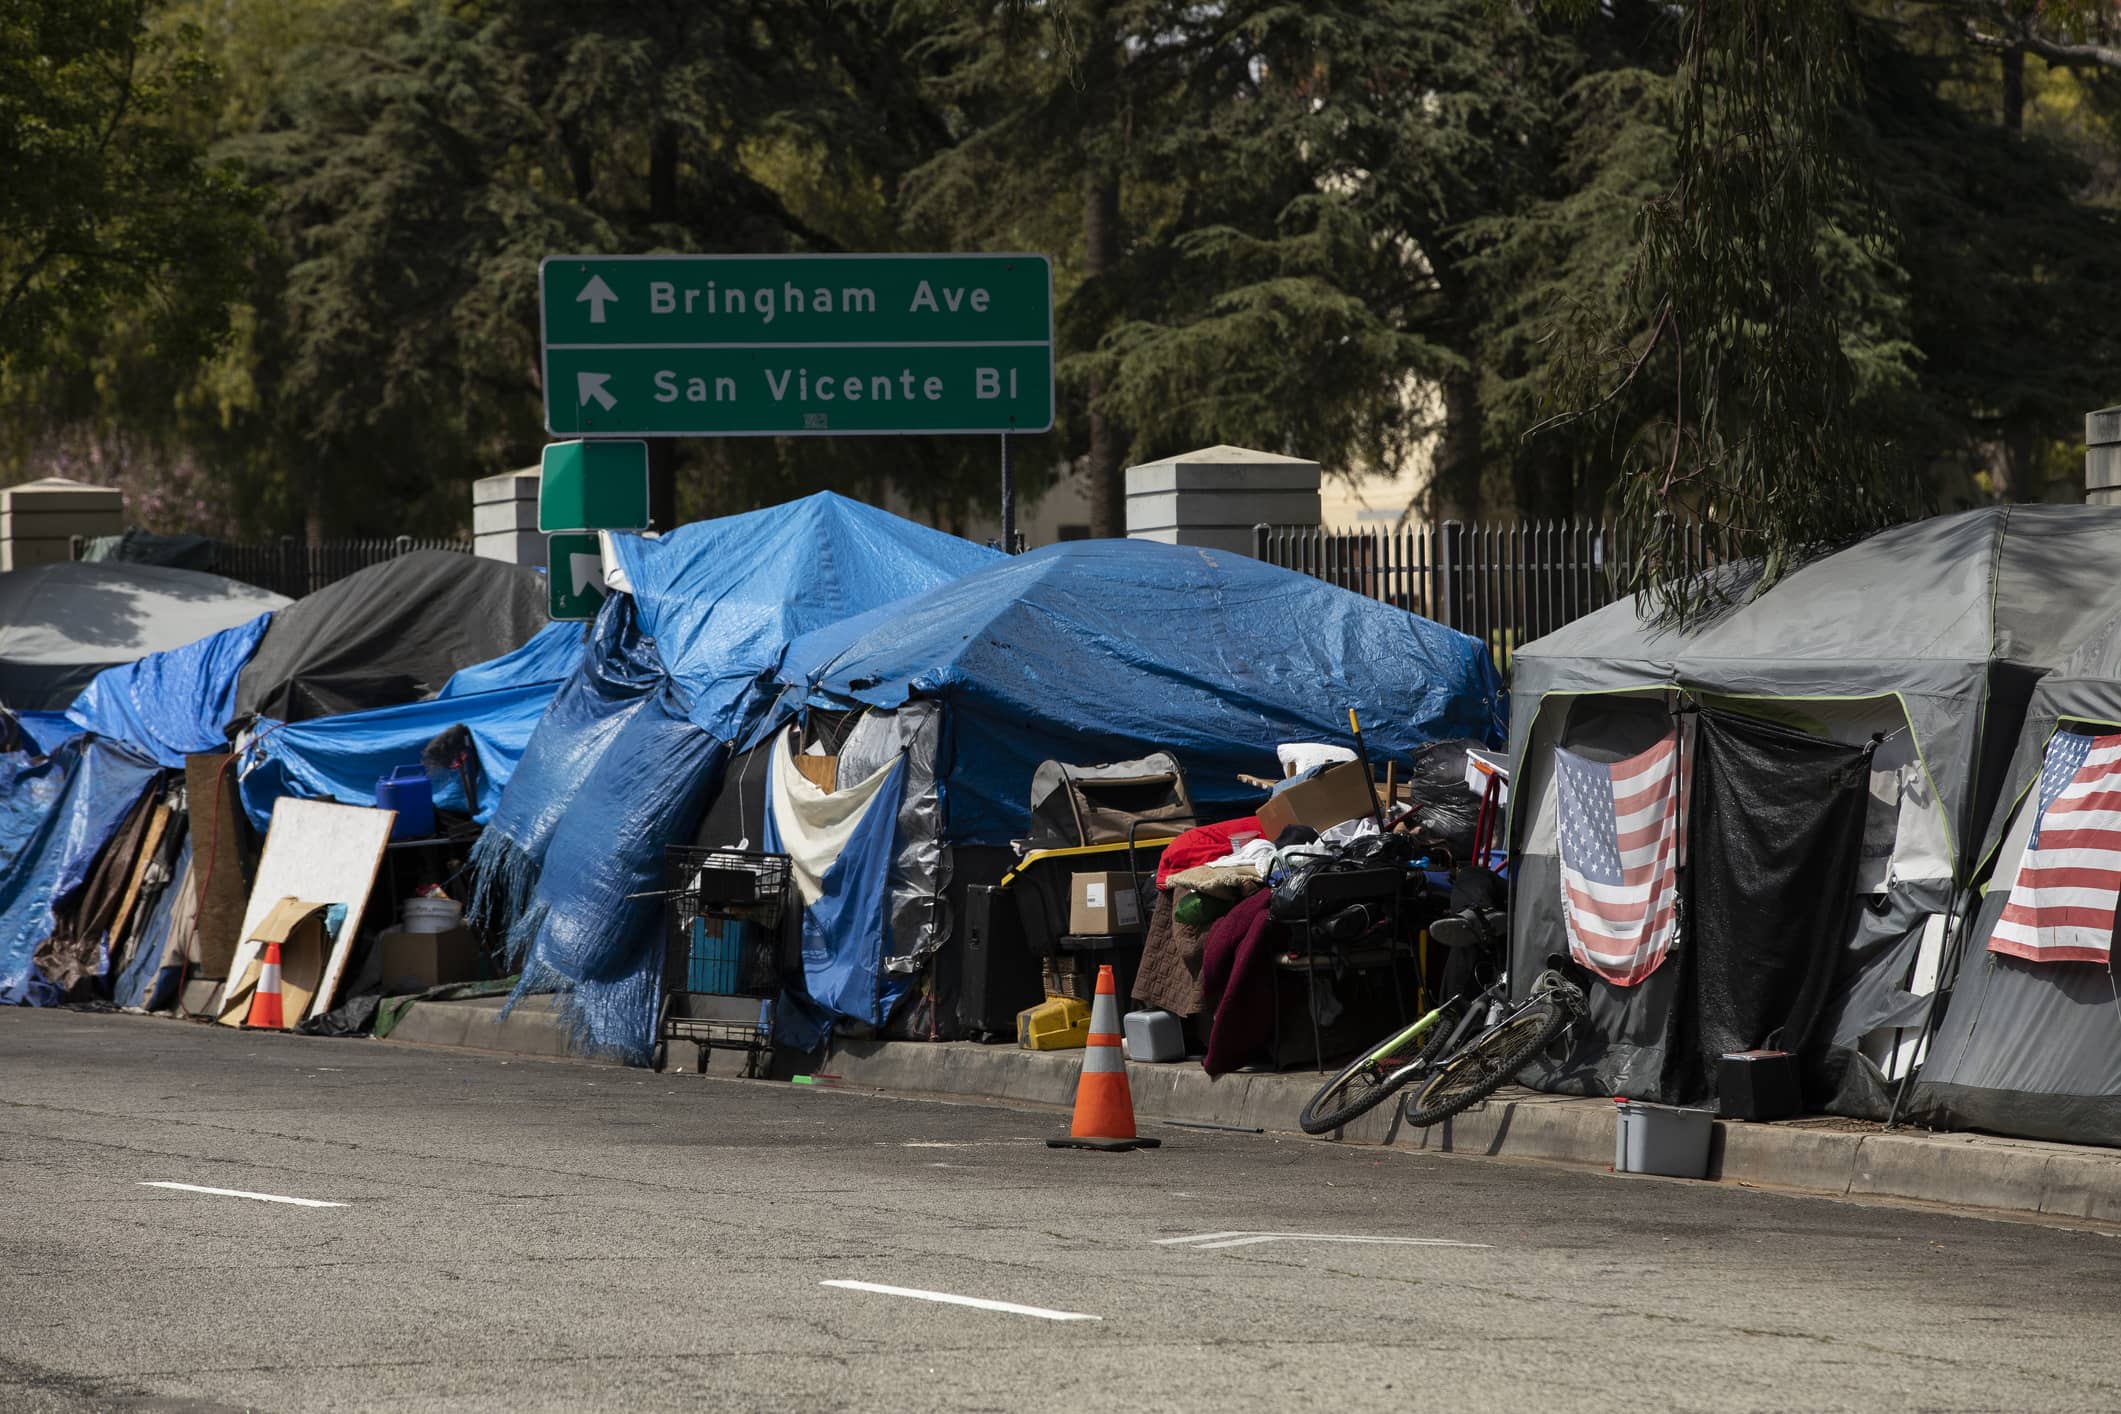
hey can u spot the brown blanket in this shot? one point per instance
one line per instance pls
(1169, 976)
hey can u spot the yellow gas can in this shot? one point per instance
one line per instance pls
(1055, 1024)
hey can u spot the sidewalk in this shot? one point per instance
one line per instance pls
(1840, 1158)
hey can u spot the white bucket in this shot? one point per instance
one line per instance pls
(432, 915)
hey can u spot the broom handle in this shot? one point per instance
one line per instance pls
(1369, 773)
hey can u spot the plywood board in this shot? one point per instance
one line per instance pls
(156, 825)
(322, 852)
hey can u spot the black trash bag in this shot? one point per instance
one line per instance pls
(1440, 804)
(1442, 763)
(1448, 817)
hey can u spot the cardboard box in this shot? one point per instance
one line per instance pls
(1333, 796)
(1104, 904)
(413, 962)
(298, 927)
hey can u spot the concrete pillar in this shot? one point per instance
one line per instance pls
(504, 518)
(39, 519)
(2102, 457)
(1213, 497)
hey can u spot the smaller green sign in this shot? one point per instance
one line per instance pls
(574, 576)
(593, 486)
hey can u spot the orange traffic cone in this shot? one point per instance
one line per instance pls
(1104, 1106)
(265, 1001)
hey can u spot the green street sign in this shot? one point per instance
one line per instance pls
(796, 345)
(593, 486)
(574, 575)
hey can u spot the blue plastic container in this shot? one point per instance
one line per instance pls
(408, 791)
(715, 960)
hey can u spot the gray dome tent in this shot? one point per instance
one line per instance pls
(2032, 1047)
(61, 624)
(1918, 650)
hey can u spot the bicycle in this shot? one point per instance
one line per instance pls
(1461, 1072)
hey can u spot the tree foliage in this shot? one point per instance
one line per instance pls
(1773, 272)
(109, 198)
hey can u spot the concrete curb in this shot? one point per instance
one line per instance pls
(1958, 1170)
(2004, 1176)
(533, 1029)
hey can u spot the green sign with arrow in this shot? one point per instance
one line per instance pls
(574, 575)
(796, 345)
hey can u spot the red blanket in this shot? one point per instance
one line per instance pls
(1237, 983)
(1199, 845)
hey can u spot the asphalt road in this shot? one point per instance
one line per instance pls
(523, 1235)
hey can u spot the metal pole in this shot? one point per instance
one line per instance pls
(1008, 498)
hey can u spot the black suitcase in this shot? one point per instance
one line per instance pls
(999, 977)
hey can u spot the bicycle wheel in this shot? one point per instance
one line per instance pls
(1372, 1078)
(1490, 1062)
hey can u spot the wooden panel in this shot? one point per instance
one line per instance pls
(220, 889)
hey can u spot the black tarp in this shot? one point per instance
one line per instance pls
(1774, 839)
(391, 633)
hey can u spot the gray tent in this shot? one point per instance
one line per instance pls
(61, 624)
(1920, 645)
(2033, 1047)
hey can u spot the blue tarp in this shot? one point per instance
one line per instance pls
(341, 758)
(1105, 650)
(173, 703)
(846, 930)
(598, 940)
(45, 730)
(550, 655)
(56, 814)
(631, 750)
(723, 598)
(616, 672)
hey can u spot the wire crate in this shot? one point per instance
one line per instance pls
(728, 883)
(720, 963)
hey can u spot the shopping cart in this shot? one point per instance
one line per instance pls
(721, 968)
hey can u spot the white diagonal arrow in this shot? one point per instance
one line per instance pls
(587, 572)
(598, 294)
(591, 385)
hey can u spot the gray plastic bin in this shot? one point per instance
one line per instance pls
(1660, 1139)
(1154, 1036)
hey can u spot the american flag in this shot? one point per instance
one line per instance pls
(2061, 907)
(1623, 839)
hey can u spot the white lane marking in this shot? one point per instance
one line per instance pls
(1008, 1307)
(1216, 1241)
(239, 1193)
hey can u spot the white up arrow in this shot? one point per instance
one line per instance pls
(587, 572)
(591, 385)
(598, 294)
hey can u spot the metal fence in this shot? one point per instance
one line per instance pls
(294, 567)
(1503, 584)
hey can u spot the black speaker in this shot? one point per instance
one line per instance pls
(1756, 1085)
(999, 976)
